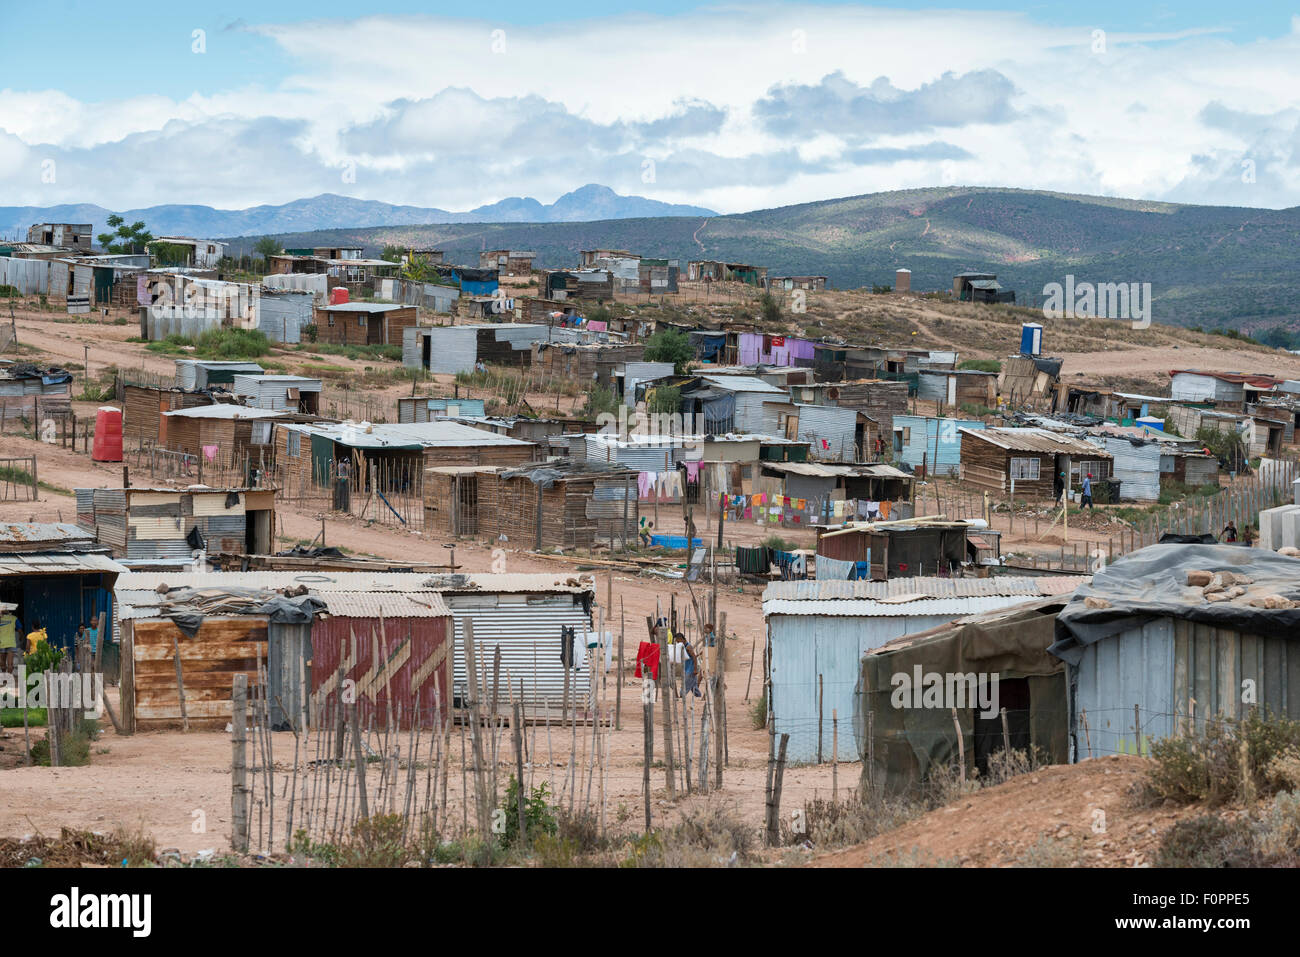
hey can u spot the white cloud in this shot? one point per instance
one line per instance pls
(734, 118)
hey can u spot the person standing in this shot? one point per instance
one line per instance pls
(690, 669)
(1229, 533)
(8, 641)
(37, 634)
(1086, 501)
(1058, 487)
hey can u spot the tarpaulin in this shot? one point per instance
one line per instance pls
(1152, 583)
(1013, 644)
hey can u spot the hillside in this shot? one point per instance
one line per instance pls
(1208, 265)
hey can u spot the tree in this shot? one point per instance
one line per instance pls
(266, 247)
(125, 239)
(670, 345)
(769, 307)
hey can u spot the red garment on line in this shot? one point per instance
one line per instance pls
(648, 653)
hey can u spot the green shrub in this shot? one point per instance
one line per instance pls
(1208, 766)
(601, 400)
(539, 816)
(980, 365)
(74, 746)
(233, 344)
(670, 345)
(1205, 841)
(769, 308)
(44, 657)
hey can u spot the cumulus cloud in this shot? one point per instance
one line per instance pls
(838, 105)
(448, 112)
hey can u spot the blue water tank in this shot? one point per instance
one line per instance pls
(1031, 339)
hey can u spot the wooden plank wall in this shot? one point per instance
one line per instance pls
(223, 648)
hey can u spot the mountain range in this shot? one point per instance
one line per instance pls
(1213, 266)
(330, 211)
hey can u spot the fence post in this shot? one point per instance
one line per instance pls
(239, 766)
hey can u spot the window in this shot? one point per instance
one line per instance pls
(295, 444)
(1024, 469)
(361, 321)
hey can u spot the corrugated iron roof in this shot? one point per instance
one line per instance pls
(968, 605)
(408, 435)
(369, 582)
(52, 532)
(57, 563)
(901, 589)
(742, 383)
(1035, 440)
(225, 411)
(425, 604)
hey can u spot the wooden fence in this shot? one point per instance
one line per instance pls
(18, 482)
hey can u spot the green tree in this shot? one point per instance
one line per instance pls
(266, 247)
(124, 239)
(665, 399)
(769, 308)
(670, 345)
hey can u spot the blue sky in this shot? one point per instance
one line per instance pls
(731, 107)
(235, 56)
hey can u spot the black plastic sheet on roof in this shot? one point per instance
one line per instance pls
(1152, 583)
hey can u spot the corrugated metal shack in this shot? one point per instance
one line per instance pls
(594, 363)
(433, 296)
(879, 398)
(33, 393)
(145, 526)
(1164, 656)
(457, 348)
(1025, 462)
(957, 387)
(421, 408)
(930, 445)
(428, 444)
(281, 313)
(558, 505)
(1029, 381)
(818, 631)
(910, 737)
(143, 407)
(1136, 463)
(825, 481)
(364, 323)
(524, 616)
(387, 634)
(294, 393)
(54, 573)
(836, 434)
(897, 550)
(198, 374)
(222, 434)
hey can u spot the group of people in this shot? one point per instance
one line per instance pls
(11, 630)
(1085, 500)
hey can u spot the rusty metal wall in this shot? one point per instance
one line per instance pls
(408, 658)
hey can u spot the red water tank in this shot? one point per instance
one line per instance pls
(338, 295)
(108, 435)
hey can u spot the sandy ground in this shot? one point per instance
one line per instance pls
(1084, 814)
